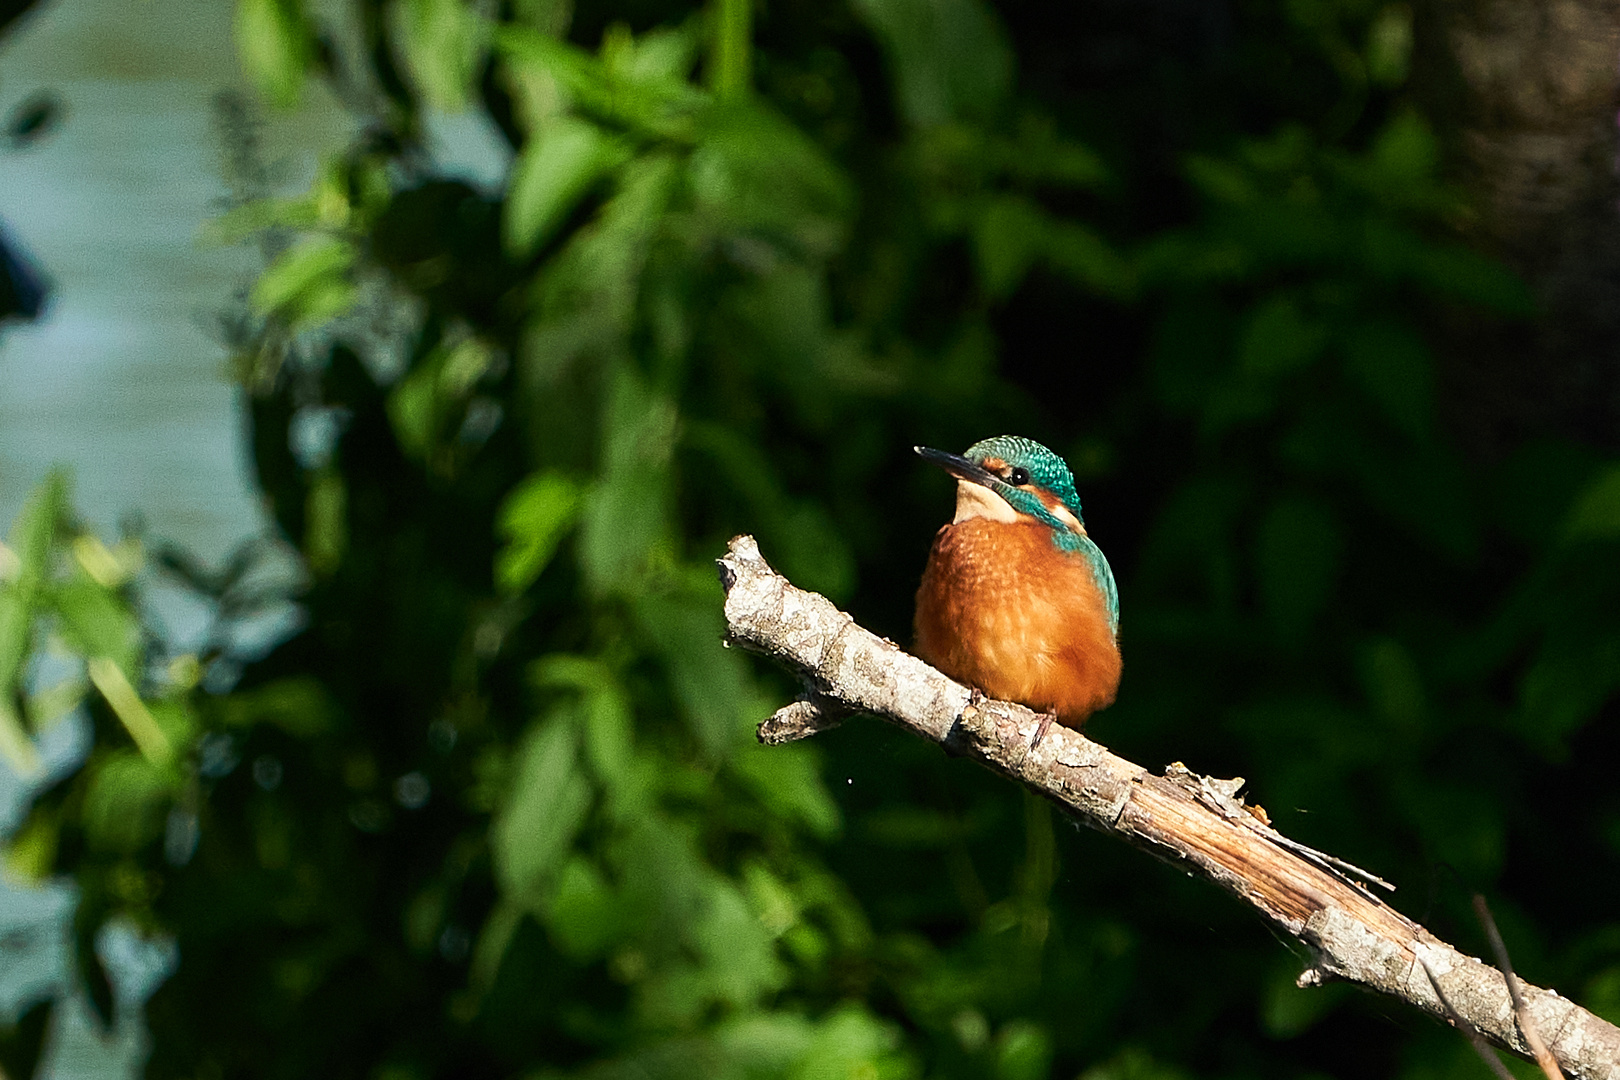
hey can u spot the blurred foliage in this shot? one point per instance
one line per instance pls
(496, 810)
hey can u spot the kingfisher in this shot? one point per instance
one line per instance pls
(1017, 601)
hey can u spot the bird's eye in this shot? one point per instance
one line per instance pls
(1018, 476)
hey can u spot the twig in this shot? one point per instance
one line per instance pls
(810, 715)
(1521, 1011)
(1352, 934)
(1475, 1039)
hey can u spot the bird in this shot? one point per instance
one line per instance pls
(1016, 600)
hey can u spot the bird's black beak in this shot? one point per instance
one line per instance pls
(959, 466)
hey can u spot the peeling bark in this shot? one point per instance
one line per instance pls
(1192, 821)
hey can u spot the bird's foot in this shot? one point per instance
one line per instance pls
(1046, 719)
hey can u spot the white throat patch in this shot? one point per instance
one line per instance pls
(977, 501)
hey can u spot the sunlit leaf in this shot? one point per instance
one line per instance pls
(273, 43)
(31, 853)
(1023, 1051)
(852, 1041)
(309, 282)
(533, 519)
(32, 536)
(640, 98)
(583, 914)
(443, 43)
(98, 622)
(560, 164)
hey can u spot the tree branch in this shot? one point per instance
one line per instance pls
(1194, 822)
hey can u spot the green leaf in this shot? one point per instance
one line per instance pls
(1405, 152)
(533, 520)
(754, 172)
(1596, 513)
(326, 521)
(443, 43)
(853, 1042)
(1569, 681)
(1392, 364)
(124, 801)
(299, 705)
(735, 963)
(1220, 180)
(309, 282)
(766, 1044)
(627, 512)
(561, 163)
(273, 43)
(801, 534)
(1393, 684)
(607, 717)
(1073, 249)
(1280, 338)
(584, 915)
(33, 536)
(950, 59)
(413, 411)
(1023, 1051)
(1133, 1063)
(1461, 272)
(1461, 824)
(545, 809)
(710, 681)
(790, 785)
(1008, 235)
(1603, 991)
(627, 87)
(624, 516)
(1389, 45)
(98, 623)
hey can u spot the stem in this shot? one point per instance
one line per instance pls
(731, 45)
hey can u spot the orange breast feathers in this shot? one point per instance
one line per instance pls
(1002, 609)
